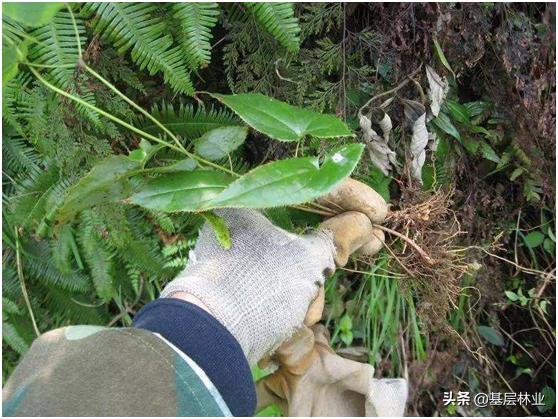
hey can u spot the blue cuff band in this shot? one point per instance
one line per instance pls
(199, 335)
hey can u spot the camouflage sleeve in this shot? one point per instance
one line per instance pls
(138, 371)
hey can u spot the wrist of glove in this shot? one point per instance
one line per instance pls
(262, 287)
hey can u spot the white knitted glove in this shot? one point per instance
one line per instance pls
(259, 289)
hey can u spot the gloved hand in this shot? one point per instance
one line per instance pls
(261, 288)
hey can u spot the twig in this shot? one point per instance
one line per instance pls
(389, 92)
(279, 74)
(128, 308)
(22, 284)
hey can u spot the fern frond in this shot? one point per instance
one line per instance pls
(100, 263)
(15, 98)
(196, 21)
(66, 308)
(186, 121)
(62, 249)
(57, 45)
(279, 20)
(27, 206)
(18, 155)
(38, 264)
(13, 337)
(134, 26)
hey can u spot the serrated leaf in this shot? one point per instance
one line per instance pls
(31, 14)
(533, 239)
(222, 232)
(288, 182)
(219, 142)
(282, 121)
(183, 191)
(106, 182)
(491, 335)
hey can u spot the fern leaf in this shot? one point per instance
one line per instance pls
(12, 336)
(196, 21)
(57, 45)
(186, 121)
(18, 155)
(70, 309)
(133, 26)
(38, 264)
(279, 20)
(98, 257)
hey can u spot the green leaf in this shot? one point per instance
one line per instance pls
(272, 410)
(12, 55)
(106, 182)
(458, 111)
(516, 173)
(222, 232)
(443, 122)
(512, 296)
(279, 20)
(488, 152)
(491, 335)
(549, 399)
(440, 54)
(31, 14)
(288, 182)
(478, 107)
(471, 145)
(138, 155)
(346, 337)
(185, 165)
(195, 21)
(345, 323)
(187, 121)
(549, 246)
(533, 239)
(219, 142)
(183, 191)
(281, 121)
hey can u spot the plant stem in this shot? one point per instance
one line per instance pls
(22, 283)
(102, 112)
(179, 147)
(389, 92)
(78, 41)
(132, 103)
(49, 65)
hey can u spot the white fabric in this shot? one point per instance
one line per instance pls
(259, 289)
(386, 397)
